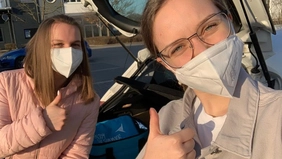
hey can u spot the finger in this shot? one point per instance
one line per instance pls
(154, 123)
(57, 98)
(188, 146)
(191, 155)
(184, 135)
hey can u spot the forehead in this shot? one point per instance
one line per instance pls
(179, 19)
(64, 31)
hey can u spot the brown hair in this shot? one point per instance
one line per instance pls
(38, 64)
(151, 9)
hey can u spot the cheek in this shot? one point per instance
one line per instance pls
(183, 61)
(196, 53)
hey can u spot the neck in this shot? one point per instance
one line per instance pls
(60, 81)
(214, 105)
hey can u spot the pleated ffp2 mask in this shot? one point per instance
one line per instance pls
(66, 60)
(215, 70)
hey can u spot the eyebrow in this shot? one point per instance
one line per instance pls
(198, 25)
(57, 40)
(204, 20)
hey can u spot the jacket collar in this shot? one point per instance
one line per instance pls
(237, 132)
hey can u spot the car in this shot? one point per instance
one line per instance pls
(147, 84)
(14, 59)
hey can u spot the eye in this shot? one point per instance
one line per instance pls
(211, 27)
(76, 45)
(179, 48)
(57, 45)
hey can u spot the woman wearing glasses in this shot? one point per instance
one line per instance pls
(224, 113)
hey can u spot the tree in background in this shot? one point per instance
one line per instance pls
(267, 3)
(126, 8)
(275, 11)
(37, 9)
(92, 19)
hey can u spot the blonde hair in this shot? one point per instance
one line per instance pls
(38, 64)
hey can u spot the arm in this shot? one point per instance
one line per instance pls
(22, 133)
(82, 143)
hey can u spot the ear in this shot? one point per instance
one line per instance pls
(229, 15)
(159, 60)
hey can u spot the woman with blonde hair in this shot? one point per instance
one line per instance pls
(49, 109)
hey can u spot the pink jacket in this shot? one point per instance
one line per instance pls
(23, 131)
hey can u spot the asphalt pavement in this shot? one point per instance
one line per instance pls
(108, 62)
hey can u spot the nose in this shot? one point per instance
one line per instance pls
(198, 46)
(66, 45)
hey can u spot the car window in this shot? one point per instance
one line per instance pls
(131, 9)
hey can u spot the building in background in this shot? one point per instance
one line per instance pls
(17, 25)
(6, 26)
(19, 19)
(91, 25)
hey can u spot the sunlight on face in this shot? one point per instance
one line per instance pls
(178, 19)
(64, 35)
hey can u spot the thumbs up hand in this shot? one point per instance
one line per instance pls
(54, 115)
(179, 145)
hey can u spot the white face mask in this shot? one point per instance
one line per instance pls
(66, 60)
(216, 69)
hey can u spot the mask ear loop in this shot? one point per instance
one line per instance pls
(232, 30)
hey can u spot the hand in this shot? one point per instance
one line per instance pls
(179, 145)
(55, 116)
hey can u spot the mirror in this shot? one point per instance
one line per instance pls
(131, 9)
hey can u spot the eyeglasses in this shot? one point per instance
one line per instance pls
(215, 29)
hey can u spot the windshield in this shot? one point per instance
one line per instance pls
(131, 9)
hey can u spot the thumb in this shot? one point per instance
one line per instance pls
(57, 98)
(154, 123)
